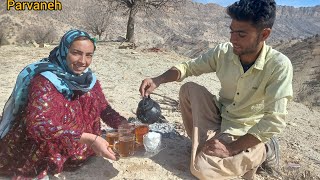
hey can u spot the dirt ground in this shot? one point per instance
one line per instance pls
(121, 72)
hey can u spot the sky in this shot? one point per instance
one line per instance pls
(295, 3)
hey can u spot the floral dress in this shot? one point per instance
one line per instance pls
(45, 137)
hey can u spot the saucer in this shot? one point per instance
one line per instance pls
(141, 152)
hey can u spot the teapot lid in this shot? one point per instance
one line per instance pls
(146, 103)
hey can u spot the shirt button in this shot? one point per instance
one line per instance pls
(234, 104)
(237, 93)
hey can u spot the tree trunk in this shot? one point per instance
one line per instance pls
(130, 25)
(99, 35)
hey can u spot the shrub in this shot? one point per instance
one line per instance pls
(38, 34)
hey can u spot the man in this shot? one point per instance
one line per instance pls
(229, 134)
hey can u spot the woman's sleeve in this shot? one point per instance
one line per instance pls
(111, 117)
(45, 113)
(108, 115)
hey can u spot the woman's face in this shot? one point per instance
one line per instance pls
(79, 55)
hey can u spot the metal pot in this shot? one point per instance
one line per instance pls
(148, 111)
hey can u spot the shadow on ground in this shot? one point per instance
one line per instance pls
(176, 156)
(96, 167)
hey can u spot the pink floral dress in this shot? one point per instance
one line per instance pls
(45, 138)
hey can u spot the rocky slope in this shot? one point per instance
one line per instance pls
(189, 31)
(305, 57)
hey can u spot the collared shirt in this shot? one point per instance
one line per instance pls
(250, 102)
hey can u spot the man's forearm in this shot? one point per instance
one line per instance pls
(171, 75)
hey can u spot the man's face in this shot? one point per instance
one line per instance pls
(246, 39)
(79, 55)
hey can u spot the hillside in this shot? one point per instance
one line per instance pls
(189, 31)
(305, 57)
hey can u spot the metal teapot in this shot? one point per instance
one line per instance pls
(148, 111)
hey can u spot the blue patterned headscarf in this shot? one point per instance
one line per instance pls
(55, 69)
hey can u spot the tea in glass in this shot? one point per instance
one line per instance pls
(125, 146)
(141, 130)
(126, 129)
(111, 137)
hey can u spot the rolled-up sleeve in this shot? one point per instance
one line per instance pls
(203, 64)
(273, 121)
(278, 93)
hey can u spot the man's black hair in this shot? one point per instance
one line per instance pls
(261, 13)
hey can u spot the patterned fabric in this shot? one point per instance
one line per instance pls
(43, 139)
(46, 114)
(54, 69)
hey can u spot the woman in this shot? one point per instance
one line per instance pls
(52, 119)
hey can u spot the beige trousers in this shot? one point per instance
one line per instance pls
(202, 121)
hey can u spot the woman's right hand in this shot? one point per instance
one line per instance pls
(99, 145)
(148, 85)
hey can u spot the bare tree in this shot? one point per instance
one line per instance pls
(45, 35)
(2, 37)
(97, 18)
(2, 34)
(147, 6)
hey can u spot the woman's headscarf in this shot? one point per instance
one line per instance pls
(55, 69)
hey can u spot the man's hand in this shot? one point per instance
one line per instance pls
(214, 147)
(148, 85)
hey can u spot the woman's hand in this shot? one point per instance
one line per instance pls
(99, 145)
